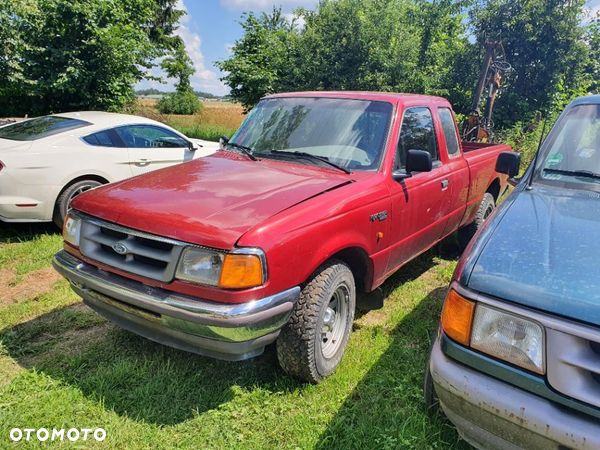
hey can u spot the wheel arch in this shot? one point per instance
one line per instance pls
(94, 177)
(359, 262)
(494, 189)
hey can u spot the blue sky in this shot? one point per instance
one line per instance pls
(212, 26)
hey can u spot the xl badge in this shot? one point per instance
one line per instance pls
(120, 248)
(380, 216)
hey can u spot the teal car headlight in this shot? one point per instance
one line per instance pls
(508, 337)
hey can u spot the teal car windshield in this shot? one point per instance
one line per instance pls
(349, 133)
(572, 153)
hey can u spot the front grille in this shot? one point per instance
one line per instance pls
(573, 363)
(130, 250)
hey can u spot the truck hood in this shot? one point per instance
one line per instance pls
(210, 201)
(544, 254)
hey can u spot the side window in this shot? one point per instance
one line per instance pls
(104, 138)
(417, 133)
(449, 131)
(143, 136)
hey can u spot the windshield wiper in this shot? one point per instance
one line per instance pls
(575, 173)
(245, 150)
(313, 157)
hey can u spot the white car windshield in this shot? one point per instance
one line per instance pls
(349, 133)
(573, 151)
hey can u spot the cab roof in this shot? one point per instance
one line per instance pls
(392, 97)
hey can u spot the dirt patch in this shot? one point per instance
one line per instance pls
(373, 318)
(71, 343)
(32, 284)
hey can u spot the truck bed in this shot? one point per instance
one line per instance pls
(473, 146)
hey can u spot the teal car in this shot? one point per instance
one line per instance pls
(516, 363)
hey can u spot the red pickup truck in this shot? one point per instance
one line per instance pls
(280, 235)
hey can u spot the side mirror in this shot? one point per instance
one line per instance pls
(223, 140)
(508, 163)
(192, 147)
(416, 161)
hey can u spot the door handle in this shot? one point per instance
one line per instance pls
(142, 162)
(445, 184)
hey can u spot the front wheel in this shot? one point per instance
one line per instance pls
(486, 208)
(312, 343)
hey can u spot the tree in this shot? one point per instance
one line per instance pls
(261, 58)
(388, 45)
(63, 55)
(544, 44)
(184, 101)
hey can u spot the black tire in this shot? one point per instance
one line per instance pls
(69, 193)
(312, 343)
(486, 207)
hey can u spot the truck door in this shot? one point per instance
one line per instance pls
(418, 219)
(458, 177)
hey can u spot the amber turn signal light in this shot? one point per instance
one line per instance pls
(241, 271)
(457, 317)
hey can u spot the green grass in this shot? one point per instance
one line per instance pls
(206, 132)
(63, 366)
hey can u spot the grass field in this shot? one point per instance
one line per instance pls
(62, 366)
(216, 119)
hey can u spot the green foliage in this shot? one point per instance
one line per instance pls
(421, 46)
(60, 55)
(386, 45)
(544, 44)
(181, 102)
(204, 131)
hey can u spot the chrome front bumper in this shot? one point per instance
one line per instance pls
(224, 331)
(493, 415)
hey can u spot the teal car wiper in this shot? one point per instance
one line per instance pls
(575, 173)
(313, 157)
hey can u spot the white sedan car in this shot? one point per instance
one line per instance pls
(46, 161)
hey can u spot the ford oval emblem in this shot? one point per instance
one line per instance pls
(120, 248)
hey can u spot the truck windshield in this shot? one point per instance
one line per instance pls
(349, 133)
(572, 154)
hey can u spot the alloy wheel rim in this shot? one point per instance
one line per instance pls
(335, 321)
(80, 190)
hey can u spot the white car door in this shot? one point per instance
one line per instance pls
(104, 153)
(152, 147)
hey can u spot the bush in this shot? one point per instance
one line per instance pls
(206, 132)
(180, 103)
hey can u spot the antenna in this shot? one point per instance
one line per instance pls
(537, 152)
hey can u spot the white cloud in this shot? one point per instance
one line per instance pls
(204, 79)
(263, 5)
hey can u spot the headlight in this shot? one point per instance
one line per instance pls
(225, 270)
(508, 337)
(497, 333)
(72, 230)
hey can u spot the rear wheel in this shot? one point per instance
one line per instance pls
(67, 195)
(486, 207)
(312, 343)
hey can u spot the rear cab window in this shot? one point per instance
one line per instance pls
(449, 129)
(40, 127)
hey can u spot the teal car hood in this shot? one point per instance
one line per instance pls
(545, 253)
